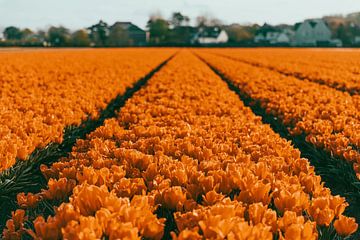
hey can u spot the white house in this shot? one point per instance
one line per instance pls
(210, 35)
(282, 38)
(357, 40)
(311, 32)
(268, 34)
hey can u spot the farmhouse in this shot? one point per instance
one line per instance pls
(210, 35)
(312, 32)
(357, 40)
(271, 35)
(136, 35)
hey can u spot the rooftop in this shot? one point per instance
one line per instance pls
(212, 32)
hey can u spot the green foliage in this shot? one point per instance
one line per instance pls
(80, 38)
(177, 19)
(58, 36)
(345, 28)
(12, 33)
(26, 33)
(99, 33)
(180, 35)
(238, 33)
(158, 29)
(346, 33)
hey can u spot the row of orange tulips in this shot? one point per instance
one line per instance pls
(43, 92)
(337, 69)
(187, 144)
(330, 119)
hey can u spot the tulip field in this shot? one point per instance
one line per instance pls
(171, 143)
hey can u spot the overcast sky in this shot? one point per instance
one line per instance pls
(75, 14)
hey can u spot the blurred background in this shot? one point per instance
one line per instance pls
(95, 23)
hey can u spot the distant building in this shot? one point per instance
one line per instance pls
(136, 35)
(336, 42)
(312, 32)
(210, 35)
(357, 40)
(270, 35)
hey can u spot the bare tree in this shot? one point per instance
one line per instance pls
(208, 20)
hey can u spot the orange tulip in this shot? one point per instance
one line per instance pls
(216, 226)
(187, 235)
(321, 113)
(345, 226)
(47, 229)
(85, 228)
(126, 231)
(212, 197)
(28, 200)
(58, 189)
(321, 212)
(174, 198)
(14, 228)
(89, 198)
(287, 201)
(305, 231)
(258, 213)
(243, 230)
(217, 169)
(61, 91)
(338, 205)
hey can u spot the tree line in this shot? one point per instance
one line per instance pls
(175, 30)
(162, 31)
(60, 36)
